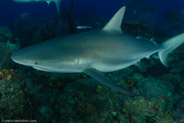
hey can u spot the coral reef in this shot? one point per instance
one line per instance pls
(5, 34)
(144, 110)
(152, 87)
(14, 103)
(6, 47)
(179, 114)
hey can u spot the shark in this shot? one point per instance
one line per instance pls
(57, 2)
(95, 52)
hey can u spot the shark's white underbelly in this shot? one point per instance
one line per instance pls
(110, 68)
(58, 70)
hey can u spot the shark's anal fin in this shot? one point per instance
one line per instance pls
(115, 23)
(101, 78)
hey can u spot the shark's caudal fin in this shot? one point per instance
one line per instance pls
(115, 23)
(169, 46)
(101, 78)
(58, 3)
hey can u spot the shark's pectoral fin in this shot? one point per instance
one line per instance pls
(101, 78)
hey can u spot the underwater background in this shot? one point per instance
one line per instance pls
(30, 95)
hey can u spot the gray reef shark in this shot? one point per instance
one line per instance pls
(57, 2)
(95, 52)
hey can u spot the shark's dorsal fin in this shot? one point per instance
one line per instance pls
(58, 3)
(115, 23)
(48, 2)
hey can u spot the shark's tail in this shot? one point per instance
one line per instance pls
(170, 45)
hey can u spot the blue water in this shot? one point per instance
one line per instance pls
(10, 10)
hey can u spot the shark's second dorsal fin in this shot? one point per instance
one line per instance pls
(115, 23)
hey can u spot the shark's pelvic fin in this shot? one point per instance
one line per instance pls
(101, 78)
(115, 23)
(170, 45)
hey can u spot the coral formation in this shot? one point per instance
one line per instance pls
(179, 114)
(13, 101)
(6, 47)
(5, 34)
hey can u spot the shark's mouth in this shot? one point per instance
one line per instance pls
(41, 69)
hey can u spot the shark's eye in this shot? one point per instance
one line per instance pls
(35, 62)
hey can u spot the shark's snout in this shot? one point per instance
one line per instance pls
(15, 58)
(18, 58)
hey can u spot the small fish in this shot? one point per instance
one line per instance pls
(83, 27)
